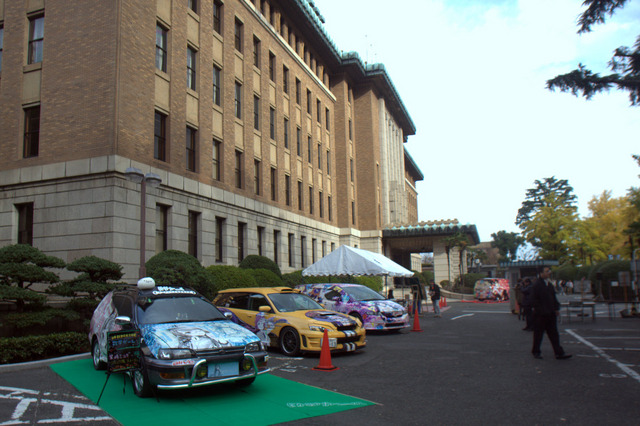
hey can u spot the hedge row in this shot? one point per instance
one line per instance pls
(30, 348)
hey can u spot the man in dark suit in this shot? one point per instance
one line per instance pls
(545, 312)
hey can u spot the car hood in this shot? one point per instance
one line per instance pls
(198, 336)
(382, 305)
(335, 318)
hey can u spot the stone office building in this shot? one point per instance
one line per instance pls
(267, 139)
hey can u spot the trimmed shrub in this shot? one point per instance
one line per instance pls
(265, 278)
(173, 267)
(227, 276)
(293, 279)
(374, 283)
(31, 348)
(253, 261)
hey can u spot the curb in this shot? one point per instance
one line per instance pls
(41, 363)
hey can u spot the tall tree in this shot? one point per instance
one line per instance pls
(548, 218)
(609, 218)
(507, 244)
(625, 63)
(633, 231)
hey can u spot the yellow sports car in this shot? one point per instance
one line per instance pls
(283, 317)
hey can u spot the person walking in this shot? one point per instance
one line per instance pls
(434, 292)
(545, 312)
(526, 304)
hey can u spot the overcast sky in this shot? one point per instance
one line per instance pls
(472, 76)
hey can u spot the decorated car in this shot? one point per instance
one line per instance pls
(372, 309)
(492, 289)
(184, 340)
(293, 322)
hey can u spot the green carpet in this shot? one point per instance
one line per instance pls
(269, 400)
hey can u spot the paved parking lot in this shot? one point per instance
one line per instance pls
(472, 366)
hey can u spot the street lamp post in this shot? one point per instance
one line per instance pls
(153, 180)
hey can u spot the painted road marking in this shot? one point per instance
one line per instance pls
(631, 373)
(461, 316)
(28, 400)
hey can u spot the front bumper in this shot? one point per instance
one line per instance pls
(338, 341)
(196, 372)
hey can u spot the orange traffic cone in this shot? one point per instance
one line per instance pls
(416, 323)
(444, 304)
(441, 302)
(325, 355)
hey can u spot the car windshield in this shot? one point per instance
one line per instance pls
(177, 309)
(362, 293)
(289, 302)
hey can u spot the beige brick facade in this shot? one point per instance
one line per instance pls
(98, 89)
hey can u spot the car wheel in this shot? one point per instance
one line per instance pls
(245, 382)
(289, 341)
(95, 354)
(141, 385)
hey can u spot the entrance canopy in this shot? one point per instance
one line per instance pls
(352, 261)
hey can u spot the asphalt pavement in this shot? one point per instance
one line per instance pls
(472, 366)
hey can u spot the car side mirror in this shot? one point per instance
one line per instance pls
(264, 308)
(229, 315)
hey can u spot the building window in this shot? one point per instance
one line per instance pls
(298, 84)
(329, 209)
(242, 227)
(31, 131)
(328, 162)
(256, 176)
(274, 184)
(326, 118)
(193, 233)
(272, 123)
(303, 251)
(256, 112)
(318, 110)
(320, 204)
(324, 248)
(1, 45)
(161, 48)
(36, 39)
(313, 250)
(217, 16)
(272, 67)
(217, 157)
(300, 195)
(162, 227)
(238, 100)
(308, 101)
(256, 52)
(193, 5)
(160, 137)
(353, 212)
(285, 79)
(309, 144)
(351, 171)
(287, 189)
(217, 86)
(286, 133)
(238, 169)
(260, 240)
(319, 157)
(191, 68)
(191, 148)
(291, 243)
(25, 223)
(311, 200)
(238, 35)
(219, 238)
(299, 141)
(276, 246)
(350, 130)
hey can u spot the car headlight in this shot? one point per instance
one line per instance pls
(318, 328)
(174, 353)
(253, 347)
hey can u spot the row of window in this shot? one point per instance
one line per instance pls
(25, 236)
(36, 39)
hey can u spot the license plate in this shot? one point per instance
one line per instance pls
(223, 369)
(333, 342)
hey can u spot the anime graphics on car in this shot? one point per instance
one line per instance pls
(373, 310)
(185, 340)
(293, 322)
